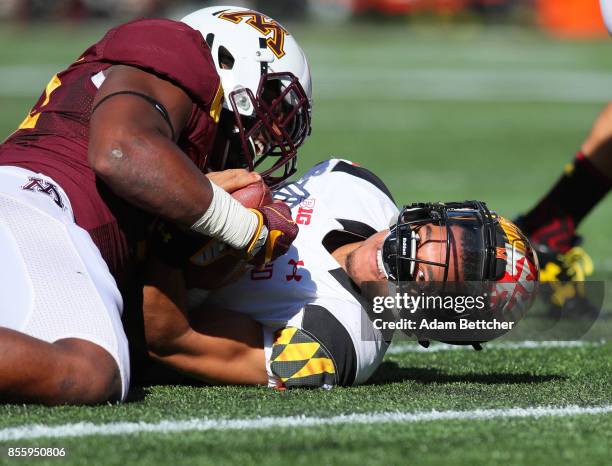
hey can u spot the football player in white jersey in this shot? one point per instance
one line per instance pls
(302, 320)
(309, 301)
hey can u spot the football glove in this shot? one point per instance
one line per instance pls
(274, 235)
(562, 276)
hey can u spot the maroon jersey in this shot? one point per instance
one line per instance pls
(53, 138)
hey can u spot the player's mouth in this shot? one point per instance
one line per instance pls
(382, 274)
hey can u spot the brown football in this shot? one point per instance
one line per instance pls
(215, 265)
(254, 195)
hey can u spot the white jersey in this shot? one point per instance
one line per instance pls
(334, 203)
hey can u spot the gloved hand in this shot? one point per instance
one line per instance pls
(275, 233)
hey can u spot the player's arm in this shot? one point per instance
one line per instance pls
(136, 119)
(132, 145)
(213, 346)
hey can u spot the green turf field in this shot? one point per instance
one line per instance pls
(439, 114)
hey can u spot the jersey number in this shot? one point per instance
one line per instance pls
(264, 274)
(303, 216)
(32, 118)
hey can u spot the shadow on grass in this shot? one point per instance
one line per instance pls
(136, 394)
(390, 372)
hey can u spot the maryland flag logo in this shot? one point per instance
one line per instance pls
(262, 24)
(298, 360)
(515, 290)
(514, 236)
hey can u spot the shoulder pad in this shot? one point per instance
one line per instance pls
(169, 49)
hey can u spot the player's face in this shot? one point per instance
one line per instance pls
(432, 247)
(362, 263)
(262, 140)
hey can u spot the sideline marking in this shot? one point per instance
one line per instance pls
(509, 345)
(85, 429)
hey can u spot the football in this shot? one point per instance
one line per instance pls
(216, 265)
(254, 195)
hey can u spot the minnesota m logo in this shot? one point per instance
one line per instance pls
(41, 186)
(264, 25)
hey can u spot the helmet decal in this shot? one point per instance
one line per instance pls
(264, 25)
(513, 234)
(517, 249)
(515, 289)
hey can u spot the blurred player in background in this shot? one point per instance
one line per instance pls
(123, 135)
(551, 224)
(303, 321)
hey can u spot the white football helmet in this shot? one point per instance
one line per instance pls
(266, 81)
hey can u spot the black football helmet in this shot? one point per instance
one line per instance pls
(502, 263)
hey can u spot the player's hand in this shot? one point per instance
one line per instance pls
(233, 179)
(276, 232)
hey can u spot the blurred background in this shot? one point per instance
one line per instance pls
(578, 18)
(443, 99)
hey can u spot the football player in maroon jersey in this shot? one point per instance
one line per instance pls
(123, 135)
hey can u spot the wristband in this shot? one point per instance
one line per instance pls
(228, 221)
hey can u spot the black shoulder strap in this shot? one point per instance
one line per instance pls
(158, 106)
(352, 231)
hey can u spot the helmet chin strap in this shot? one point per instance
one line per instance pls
(414, 240)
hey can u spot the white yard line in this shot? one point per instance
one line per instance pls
(85, 429)
(400, 348)
(400, 83)
(475, 84)
(25, 80)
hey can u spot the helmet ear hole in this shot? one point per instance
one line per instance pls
(210, 38)
(226, 59)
